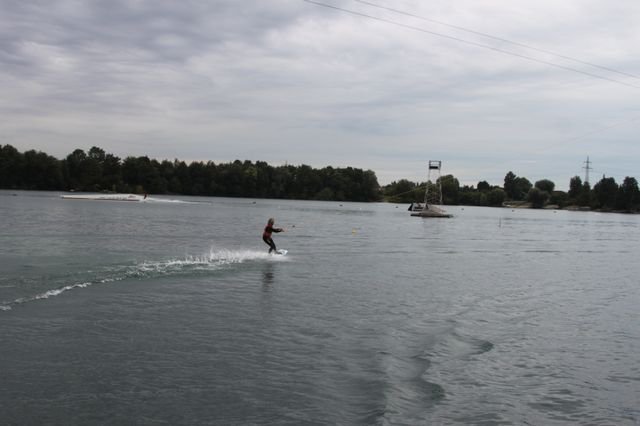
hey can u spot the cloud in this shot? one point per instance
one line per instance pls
(291, 81)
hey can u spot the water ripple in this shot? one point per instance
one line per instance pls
(190, 265)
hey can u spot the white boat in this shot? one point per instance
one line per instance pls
(432, 195)
(105, 197)
(431, 211)
(416, 207)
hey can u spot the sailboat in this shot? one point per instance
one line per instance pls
(432, 195)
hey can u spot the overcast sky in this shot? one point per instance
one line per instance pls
(289, 81)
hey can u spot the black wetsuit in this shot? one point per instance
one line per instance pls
(266, 236)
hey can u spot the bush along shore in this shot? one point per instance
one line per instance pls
(98, 171)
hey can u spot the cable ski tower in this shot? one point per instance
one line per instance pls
(432, 193)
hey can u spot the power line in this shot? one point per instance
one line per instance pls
(586, 134)
(504, 40)
(602, 129)
(472, 43)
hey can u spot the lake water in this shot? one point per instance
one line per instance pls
(172, 312)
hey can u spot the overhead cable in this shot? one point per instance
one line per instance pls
(472, 43)
(503, 40)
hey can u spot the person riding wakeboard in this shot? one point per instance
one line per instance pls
(266, 235)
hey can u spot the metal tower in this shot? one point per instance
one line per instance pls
(433, 193)
(587, 168)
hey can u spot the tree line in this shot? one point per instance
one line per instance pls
(98, 171)
(606, 195)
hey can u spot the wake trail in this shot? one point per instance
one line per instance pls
(213, 261)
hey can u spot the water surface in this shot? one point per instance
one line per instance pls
(172, 312)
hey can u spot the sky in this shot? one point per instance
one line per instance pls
(485, 87)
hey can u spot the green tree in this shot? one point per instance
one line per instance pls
(575, 189)
(92, 166)
(82, 172)
(496, 197)
(167, 171)
(628, 197)
(142, 175)
(584, 199)
(537, 197)
(200, 178)
(516, 187)
(510, 185)
(111, 173)
(264, 176)
(402, 191)
(326, 194)
(545, 185)
(182, 177)
(483, 186)
(97, 154)
(450, 189)
(605, 193)
(72, 168)
(468, 196)
(522, 188)
(41, 171)
(559, 198)
(11, 167)
(370, 186)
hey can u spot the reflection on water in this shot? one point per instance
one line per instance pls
(267, 276)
